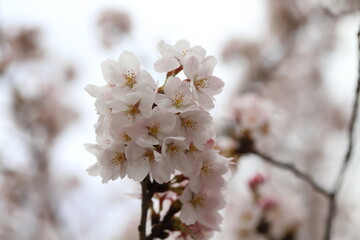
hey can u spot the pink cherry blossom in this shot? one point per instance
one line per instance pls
(256, 181)
(200, 232)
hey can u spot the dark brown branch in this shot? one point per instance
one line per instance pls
(291, 168)
(346, 161)
(166, 223)
(146, 195)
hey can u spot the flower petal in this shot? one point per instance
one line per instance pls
(182, 45)
(188, 214)
(111, 71)
(191, 67)
(166, 64)
(94, 170)
(128, 61)
(93, 90)
(207, 66)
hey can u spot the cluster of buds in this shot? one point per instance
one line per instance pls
(163, 134)
(267, 218)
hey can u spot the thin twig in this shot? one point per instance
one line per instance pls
(290, 167)
(346, 161)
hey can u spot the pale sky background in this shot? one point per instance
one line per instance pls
(69, 28)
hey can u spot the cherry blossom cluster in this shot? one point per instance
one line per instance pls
(249, 123)
(252, 114)
(163, 132)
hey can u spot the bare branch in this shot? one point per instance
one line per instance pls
(346, 161)
(291, 168)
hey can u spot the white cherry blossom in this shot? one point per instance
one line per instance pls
(204, 85)
(102, 128)
(209, 168)
(103, 97)
(117, 130)
(153, 130)
(126, 73)
(177, 96)
(173, 56)
(133, 106)
(113, 161)
(196, 127)
(201, 207)
(199, 232)
(173, 151)
(144, 131)
(145, 161)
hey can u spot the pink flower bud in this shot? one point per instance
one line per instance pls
(255, 181)
(268, 203)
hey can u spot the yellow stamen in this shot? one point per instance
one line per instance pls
(149, 155)
(192, 148)
(206, 168)
(126, 137)
(189, 123)
(173, 149)
(244, 233)
(184, 52)
(179, 99)
(132, 111)
(247, 216)
(154, 128)
(198, 202)
(201, 83)
(118, 158)
(130, 76)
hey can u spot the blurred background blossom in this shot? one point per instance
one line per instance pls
(290, 69)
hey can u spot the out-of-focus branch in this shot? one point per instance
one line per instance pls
(330, 195)
(346, 161)
(291, 168)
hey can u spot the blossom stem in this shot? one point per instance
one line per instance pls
(166, 223)
(145, 204)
